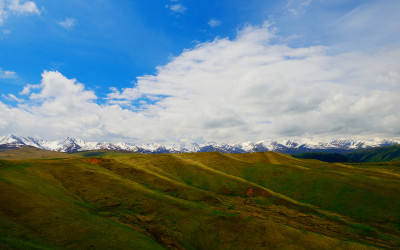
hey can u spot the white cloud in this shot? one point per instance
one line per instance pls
(12, 97)
(8, 7)
(297, 7)
(177, 8)
(56, 88)
(23, 8)
(214, 22)
(59, 107)
(27, 89)
(68, 22)
(6, 74)
(226, 90)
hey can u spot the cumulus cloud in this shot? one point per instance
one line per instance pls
(55, 108)
(227, 90)
(8, 7)
(67, 23)
(23, 8)
(214, 22)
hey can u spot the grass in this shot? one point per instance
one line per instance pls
(379, 154)
(375, 154)
(364, 198)
(195, 201)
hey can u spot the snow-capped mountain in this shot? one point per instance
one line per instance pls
(283, 146)
(17, 141)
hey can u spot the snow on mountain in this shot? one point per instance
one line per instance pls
(121, 146)
(16, 141)
(189, 147)
(181, 148)
(283, 145)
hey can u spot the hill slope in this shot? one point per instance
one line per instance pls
(197, 201)
(380, 154)
(377, 154)
(327, 157)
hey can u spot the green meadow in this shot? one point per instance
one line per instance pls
(265, 200)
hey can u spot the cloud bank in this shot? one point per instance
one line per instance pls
(247, 88)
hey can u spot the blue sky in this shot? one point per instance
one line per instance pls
(112, 42)
(120, 51)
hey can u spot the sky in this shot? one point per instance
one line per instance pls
(182, 71)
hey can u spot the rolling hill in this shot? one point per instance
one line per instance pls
(379, 154)
(327, 157)
(376, 154)
(264, 200)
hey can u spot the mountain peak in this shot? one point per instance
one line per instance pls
(70, 144)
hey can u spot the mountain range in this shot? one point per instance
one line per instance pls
(281, 146)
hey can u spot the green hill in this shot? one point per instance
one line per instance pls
(196, 201)
(327, 157)
(380, 154)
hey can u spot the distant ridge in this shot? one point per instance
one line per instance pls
(282, 146)
(388, 153)
(376, 154)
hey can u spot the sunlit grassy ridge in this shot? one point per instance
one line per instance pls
(196, 201)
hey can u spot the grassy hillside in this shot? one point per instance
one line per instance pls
(32, 153)
(378, 154)
(381, 154)
(196, 201)
(327, 157)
